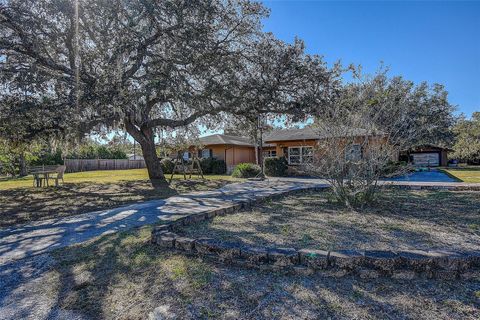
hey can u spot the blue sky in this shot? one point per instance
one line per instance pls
(433, 41)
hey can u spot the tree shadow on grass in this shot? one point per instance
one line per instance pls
(25, 205)
(399, 221)
(124, 277)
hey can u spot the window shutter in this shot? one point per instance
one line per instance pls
(210, 152)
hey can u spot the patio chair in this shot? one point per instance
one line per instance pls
(38, 180)
(60, 172)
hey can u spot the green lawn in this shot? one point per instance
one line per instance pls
(101, 176)
(465, 174)
(89, 191)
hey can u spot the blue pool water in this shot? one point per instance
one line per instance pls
(425, 176)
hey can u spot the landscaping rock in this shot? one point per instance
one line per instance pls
(416, 260)
(246, 205)
(345, 259)
(229, 210)
(381, 260)
(206, 246)
(254, 255)
(447, 260)
(185, 244)
(283, 256)
(317, 259)
(228, 251)
(220, 212)
(166, 239)
(211, 214)
(156, 231)
(197, 217)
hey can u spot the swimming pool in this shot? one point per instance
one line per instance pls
(425, 176)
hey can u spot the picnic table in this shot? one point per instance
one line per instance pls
(42, 175)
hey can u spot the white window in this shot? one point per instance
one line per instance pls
(353, 152)
(269, 153)
(206, 153)
(186, 156)
(300, 155)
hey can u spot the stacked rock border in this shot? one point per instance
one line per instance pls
(408, 264)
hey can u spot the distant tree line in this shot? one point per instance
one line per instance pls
(467, 139)
(16, 160)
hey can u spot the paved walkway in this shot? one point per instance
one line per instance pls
(22, 295)
(27, 240)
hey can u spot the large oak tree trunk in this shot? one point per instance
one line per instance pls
(155, 172)
(146, 139)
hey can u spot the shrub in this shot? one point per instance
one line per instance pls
(219, 167)
(213, 166)
(395, 168)
(206, 164)
(276, 167)
(167, 165)
(246, 170)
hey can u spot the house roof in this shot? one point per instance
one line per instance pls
(225, 139)
(292, 134)
(307, 133)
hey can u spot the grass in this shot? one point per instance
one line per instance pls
(98, 177)
(89, 191)
(465, 174)
(399, 220)
(123, 276)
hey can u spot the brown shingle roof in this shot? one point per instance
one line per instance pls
(224, 139)
(292, 134)
(306, 133)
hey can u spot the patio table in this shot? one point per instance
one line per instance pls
(37, 176)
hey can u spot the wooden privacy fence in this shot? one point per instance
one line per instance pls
(77, 165)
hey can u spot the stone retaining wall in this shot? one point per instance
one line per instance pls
(365, 263)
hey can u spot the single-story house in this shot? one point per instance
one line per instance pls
(426, 156)
(297, 146)
(233, 150)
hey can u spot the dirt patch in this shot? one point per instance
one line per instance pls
(24, 205)
(400, 220)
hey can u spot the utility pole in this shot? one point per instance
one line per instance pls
(134, 151)
(260, 143)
